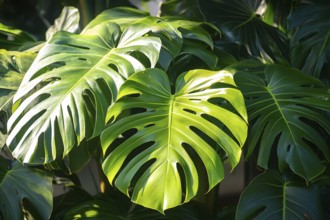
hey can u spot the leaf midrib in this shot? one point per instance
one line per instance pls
(282, 114)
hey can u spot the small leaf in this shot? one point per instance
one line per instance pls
(172, 132)
(24, 183)
(67, 21)
(271, 196)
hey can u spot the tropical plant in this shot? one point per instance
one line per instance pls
(161, 104)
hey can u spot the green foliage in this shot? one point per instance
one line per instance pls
(161, 103)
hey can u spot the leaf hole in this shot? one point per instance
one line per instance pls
(149, 125)
(222, 85)
(189, 111)
(107, 93)
(201, 169)
(212, 143)
(144, 168)
(78, 46)
(141, 57)
(132, 95)
(114, 67)
(121, 139)
(182, 180)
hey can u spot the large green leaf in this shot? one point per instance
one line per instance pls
(171, 133)
(13, 66)
(273, 197)
(287, 112)
(241, 22)
(23, 186)
(310, 42)
(67, 90)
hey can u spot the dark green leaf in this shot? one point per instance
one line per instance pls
(240, 22)
(310, 42)
(113, 206)
(286, 112)
(188, 9)
(65, 202)
(20, 183)
(271, 196)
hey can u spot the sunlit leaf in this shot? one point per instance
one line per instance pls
(79, 76)
(204, 115)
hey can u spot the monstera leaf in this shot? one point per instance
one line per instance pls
(21, 187)
(13, 66)
(287, 112)
(310, 42)
(64, 95)
(271, 196)
(241, 22)
(172, 32)
(170, 132)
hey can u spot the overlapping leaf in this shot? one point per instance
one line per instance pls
(310, 42)
(67, 90)
(21, 183)
(271, 196)
(14, 39)
(13, 66)
(173, 33)
(286, 111)
(171, 133)
(242, 23)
